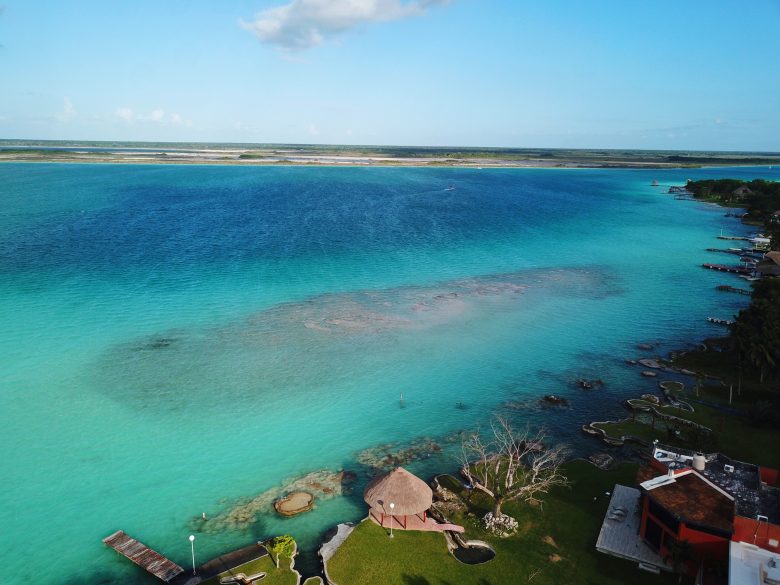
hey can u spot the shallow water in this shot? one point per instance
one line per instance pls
(182, 339)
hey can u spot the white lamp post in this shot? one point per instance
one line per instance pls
(392, 507)
(192, 544)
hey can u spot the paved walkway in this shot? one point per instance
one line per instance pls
(231, 560)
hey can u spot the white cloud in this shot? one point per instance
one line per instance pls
(313, 131)
(125, 113)
(68, 111)
(303, 24)
(156, 116)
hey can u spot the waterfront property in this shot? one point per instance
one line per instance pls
(706, 501)
(770, 266)
(400, 500)
(553, 544)
(752, 565)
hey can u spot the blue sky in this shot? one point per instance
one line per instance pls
(605, 74)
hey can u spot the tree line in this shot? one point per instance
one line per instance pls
(755, 335)
(761, 200)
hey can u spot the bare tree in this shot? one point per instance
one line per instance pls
(511, 465)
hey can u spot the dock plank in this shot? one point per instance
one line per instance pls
(143, 556)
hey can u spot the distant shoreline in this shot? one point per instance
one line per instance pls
(378, 156)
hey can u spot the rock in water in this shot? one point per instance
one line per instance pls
(557, 400)
(294, 503)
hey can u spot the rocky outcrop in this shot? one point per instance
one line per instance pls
(294, 503)
(502, 525)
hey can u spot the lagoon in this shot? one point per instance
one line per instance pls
(179, 340)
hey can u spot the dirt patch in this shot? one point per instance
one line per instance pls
(555, 558)
(549, 540)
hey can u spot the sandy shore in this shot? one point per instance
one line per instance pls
(476, 158)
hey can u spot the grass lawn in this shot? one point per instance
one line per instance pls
(281, 576)
(570, 516)
(735, 436)
(724, 365)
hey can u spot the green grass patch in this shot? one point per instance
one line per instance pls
(571, 517)
(281, 576)
(738, 437)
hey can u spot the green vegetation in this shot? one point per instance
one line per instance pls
(555, 543)
(755, 336)
(741, 430)
(760, 198)
(698, 159)
(281, 546)
(282, 576)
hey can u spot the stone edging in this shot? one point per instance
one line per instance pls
(331, 546)
(664, 416)
(609, 439)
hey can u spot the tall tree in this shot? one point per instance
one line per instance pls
(510, 465)
(756, 332)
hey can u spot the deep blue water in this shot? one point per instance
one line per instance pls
(180, 339)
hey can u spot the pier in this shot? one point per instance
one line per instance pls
(724, 268)
(151, 561)
(733, 238)
(733, 289)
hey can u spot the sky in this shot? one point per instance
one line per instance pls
(660, 74)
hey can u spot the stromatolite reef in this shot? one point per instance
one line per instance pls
(322, 485)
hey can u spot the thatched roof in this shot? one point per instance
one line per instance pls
(773, 256)
(409, 493)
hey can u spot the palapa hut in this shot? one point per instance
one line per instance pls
(409, 495)
(770, 266)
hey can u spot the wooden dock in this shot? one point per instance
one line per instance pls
(149, 560)
(733, 289)
(733, 238)
(731, 269)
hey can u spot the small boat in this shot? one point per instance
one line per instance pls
(654, 183)
(450, 188)
(717, 321)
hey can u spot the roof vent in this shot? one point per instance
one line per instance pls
(729, 468)
(699, 462)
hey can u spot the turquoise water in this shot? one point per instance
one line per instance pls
(177, 339)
